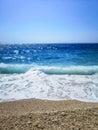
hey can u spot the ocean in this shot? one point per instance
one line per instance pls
(49, 71)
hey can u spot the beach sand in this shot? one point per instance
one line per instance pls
(34, 114)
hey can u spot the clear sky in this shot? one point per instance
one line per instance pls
(34, 21)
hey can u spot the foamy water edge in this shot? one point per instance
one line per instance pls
(37, 84)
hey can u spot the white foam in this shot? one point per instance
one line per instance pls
(16, 52)
(36, 84)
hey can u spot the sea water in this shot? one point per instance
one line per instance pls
(49, 71)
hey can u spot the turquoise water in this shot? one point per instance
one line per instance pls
(61, 58)
(49, 71)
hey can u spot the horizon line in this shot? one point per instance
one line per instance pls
(49, 43)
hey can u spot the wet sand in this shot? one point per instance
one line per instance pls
(34, 114)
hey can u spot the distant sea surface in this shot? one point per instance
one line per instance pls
(49, 71)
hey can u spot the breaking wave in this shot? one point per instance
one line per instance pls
(36, 84)
(23, 68)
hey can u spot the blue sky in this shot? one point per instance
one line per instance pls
(35, 21)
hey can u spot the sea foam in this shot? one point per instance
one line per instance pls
(37, 84)
(49, 71)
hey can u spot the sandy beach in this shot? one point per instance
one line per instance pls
(34, 114)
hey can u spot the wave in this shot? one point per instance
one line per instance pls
(72, 70)
(14, 68)
(36, 84)
(51, 70)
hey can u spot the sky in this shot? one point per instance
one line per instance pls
(48, 21)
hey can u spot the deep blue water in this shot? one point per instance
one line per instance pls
(49, 71)
(50, 55)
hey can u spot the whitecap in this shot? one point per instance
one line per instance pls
(16, 52)
(36, 84)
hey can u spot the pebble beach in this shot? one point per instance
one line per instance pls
(35, 114)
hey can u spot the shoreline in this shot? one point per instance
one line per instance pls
(35, 114)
